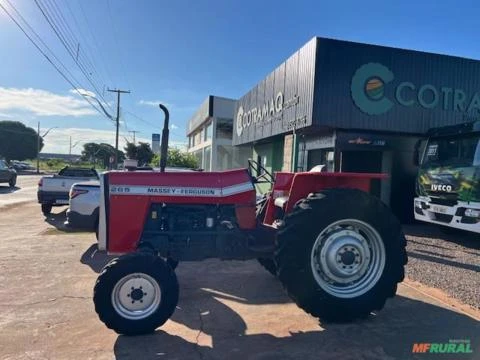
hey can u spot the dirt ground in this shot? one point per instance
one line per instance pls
(227, 310)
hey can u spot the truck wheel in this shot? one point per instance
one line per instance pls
(46, 209)
(12, 182)
(269, 265)
(135, 294)
(340, 254)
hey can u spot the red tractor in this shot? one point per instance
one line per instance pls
(338, 251)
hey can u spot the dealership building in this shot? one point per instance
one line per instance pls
(355, 108)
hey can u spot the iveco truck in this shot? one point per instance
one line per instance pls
(448, 181)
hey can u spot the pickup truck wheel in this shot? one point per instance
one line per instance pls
(136, 293)
(46, 209)
(12, 182)
(340, 254)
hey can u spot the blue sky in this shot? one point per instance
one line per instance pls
(179, 52)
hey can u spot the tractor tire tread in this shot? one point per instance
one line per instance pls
(297, 277)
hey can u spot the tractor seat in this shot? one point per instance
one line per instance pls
(281, 202)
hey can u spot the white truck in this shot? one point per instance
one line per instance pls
(448, 181)
(54, 190)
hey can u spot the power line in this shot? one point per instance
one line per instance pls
(115, 37)
(134, 132)
(43, 52)
(95, 42)
(90, 53)
(56, 26)
(152, 125)
(75, 44)
(48, 16)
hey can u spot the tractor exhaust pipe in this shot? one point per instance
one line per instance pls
(164, 144)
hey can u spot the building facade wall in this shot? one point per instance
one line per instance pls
(360, 86)
(280, 102)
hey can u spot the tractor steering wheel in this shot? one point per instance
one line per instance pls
(258, 173)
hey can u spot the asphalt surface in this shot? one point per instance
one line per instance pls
(24, 191)
(450, 262)
(227, 310)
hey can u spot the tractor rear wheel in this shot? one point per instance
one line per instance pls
(269, 265)
(340, 254)
(136, 293)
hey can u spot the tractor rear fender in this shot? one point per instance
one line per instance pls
(291, 187)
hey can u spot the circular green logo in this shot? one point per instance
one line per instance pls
(374, 88)
(368, 88)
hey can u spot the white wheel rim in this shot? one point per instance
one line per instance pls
(348, 258)
(136, 296)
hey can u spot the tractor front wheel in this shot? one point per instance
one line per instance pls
(46, 209)
(340, 254)
(136, 293)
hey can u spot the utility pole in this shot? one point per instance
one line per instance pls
(38, 148)
(117, 122)
(134, 132)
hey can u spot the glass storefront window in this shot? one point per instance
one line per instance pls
(208, 132)
(321, 157)
(207, 156)
(224, 129)
(197, 138)
(199, 155)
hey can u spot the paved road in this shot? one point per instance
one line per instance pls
(24, 191)
(227, 310)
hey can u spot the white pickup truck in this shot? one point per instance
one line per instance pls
(54, 190)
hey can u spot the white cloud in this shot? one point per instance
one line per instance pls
(82, 92)
(174, 127)
(58, 140)
(7, 116)
(43, 103)
(153, 103)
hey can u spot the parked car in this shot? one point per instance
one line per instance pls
(7, 174)
(19, 165)
(82, 212)
(85, 201)
(54, 190)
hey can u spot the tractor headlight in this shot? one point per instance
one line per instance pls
(474, 213)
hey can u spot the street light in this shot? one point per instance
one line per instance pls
(72, 146)
(38, 143)
(100, 104)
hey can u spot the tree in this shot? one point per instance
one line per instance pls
(130, 150)
(178, 158)
(17, 141)
(141, 152)
(101, 152)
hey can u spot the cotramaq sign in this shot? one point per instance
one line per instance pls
(370, 81)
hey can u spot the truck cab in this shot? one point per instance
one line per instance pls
(448, 181)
